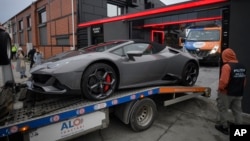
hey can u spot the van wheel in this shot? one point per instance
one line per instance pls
(142, 114)
(5, 48)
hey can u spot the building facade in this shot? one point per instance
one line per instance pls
(48, 24)
(90, 10)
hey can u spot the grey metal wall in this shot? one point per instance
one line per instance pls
(239, 40)
(91, 10)
(186, 16)
(88, 10)
(116, 30)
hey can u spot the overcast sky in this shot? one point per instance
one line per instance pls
(10, 8)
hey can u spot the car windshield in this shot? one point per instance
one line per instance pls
(101, 46)
(204, 35)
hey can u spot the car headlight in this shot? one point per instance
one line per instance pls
(214, 50)
(56, 64)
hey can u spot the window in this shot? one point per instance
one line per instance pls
(114, 10)
(14, 32)
(15, 38)
(119, 52)
(42, 16)
(21, 38)
(148, 4)
(43, 35)
(29, 36)
(42, 26)
(101, 46)
(29, 29)
(29, 22)
(136, 47)
(144, 47)
(204, 35)
(21, 25)
(62, 40)
(14, 28)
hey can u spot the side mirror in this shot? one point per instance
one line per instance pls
(132, 54)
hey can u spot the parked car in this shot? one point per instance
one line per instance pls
(98, 70)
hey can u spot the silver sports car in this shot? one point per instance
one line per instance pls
(98, 70)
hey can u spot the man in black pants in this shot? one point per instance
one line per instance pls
(31, 56)
(230, 92)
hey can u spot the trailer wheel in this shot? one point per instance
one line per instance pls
(5, 48)
(142, 114)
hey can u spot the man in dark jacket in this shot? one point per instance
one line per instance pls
(230, 92)
(31, 56)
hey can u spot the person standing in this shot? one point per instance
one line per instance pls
(31, 56)
(13, 51)
(20, 64)
(38, 57)
(230, 90)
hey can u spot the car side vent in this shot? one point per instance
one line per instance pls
(173, 51)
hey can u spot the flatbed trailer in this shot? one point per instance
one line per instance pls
(33, 117)
(62, 118)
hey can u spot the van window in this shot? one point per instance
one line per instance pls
(204, 35)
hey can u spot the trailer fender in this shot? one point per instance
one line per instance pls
(123, 111)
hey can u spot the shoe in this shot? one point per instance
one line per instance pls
(25, 76)
(21, 77)
(222, 129)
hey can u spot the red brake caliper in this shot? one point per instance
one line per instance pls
(108, 80)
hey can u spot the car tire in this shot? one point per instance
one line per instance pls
(142, 114)
(98, 81)
(190, 74)
(5, 48)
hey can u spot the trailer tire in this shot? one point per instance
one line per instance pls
(143, 114)
(5, 48)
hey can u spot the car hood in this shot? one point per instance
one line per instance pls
(61, 59)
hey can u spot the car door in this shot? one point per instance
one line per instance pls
(145, 68)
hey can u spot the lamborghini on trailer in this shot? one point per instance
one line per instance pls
(98, 70)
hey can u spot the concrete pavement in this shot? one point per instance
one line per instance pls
(17, 74)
